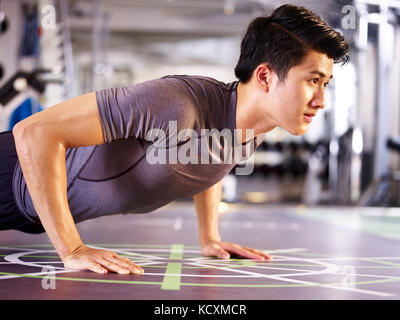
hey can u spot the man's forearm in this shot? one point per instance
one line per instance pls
(206, 204)
(43, 164)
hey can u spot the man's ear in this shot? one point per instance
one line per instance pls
(263, 75)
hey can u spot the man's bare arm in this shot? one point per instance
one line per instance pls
(41, 141)
(207, 203)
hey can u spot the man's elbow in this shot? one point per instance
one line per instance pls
(27, 134)
(19, 131)
(24, 130)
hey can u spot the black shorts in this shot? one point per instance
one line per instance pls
(10, 217)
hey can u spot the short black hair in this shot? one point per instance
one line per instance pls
(284, 38)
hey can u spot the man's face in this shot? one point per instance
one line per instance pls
(302, 93)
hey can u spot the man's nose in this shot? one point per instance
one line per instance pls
(319, 99)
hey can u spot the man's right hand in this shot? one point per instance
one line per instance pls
(99, 261)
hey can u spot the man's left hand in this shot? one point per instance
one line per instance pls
(224, 250)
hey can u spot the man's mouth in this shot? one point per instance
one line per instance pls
(309, 116)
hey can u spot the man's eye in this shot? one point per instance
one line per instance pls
(326, 84)
(315, 80)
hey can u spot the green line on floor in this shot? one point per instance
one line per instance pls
(176, 252)
(172, 277)
(79, 279)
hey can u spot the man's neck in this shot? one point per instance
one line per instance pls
(250, 113)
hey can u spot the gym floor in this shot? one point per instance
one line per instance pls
(319, 253)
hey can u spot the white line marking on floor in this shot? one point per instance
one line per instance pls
(201, 275)
(286, 250)
(178, 223)
(15, 258)
(122, 251)
(330, 269)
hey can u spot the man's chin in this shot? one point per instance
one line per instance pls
(299, 131)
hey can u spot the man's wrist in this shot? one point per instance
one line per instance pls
(66, 250)
(207, 238)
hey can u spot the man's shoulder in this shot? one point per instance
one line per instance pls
(203, 81)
